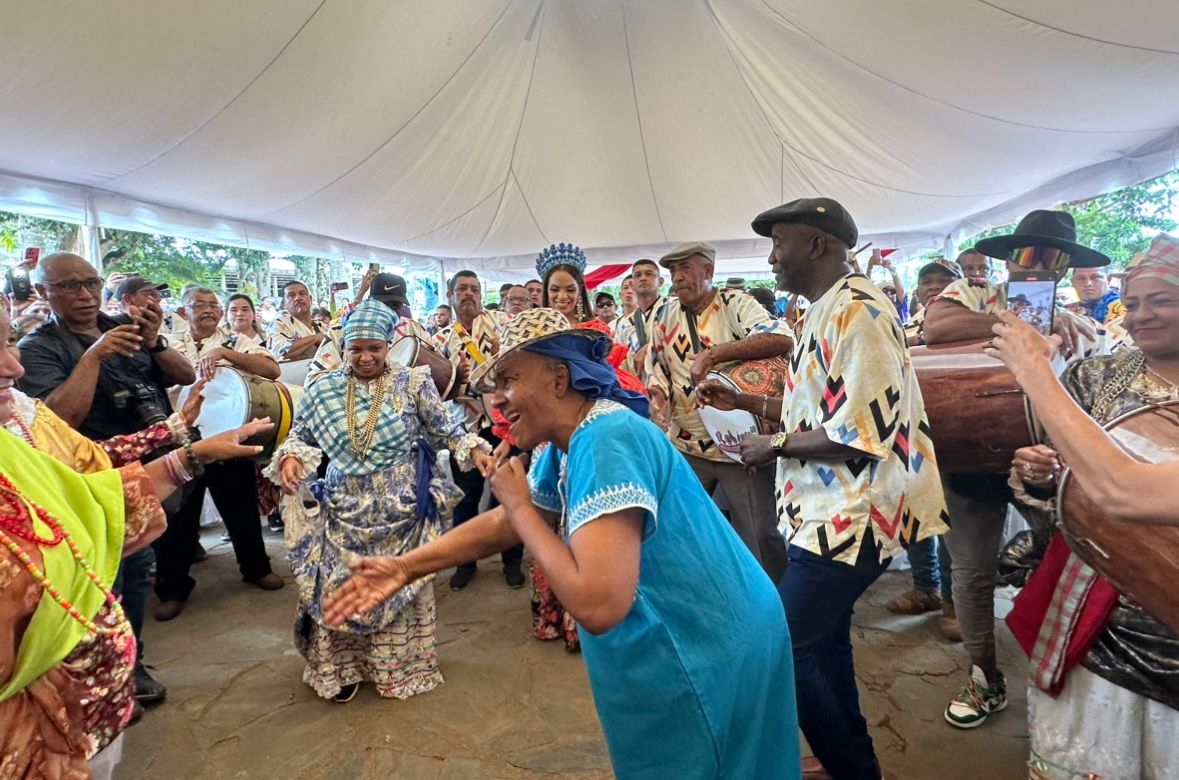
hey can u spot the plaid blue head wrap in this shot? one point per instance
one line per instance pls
(370, 319)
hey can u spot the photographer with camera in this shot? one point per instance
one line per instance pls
(105, 377)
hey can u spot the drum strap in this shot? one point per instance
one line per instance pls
(470, 345)
(640, 327)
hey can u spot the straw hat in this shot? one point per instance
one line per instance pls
(527, 327)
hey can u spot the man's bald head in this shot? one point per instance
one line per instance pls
(52, 267)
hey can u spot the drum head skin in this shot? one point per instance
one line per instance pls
(404, 351)
(728, 428)
(227, 402)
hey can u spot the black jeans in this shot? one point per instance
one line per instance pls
(235, 494)
(471, 483)
(131, 585)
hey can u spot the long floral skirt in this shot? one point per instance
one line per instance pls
(401, 659)
(549, 619)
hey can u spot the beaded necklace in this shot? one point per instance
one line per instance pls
(14, 516)
(362, 439)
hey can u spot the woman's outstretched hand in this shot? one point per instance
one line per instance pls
(228, 445)
(373, 581)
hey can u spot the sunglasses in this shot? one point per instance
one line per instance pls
(1047, 258)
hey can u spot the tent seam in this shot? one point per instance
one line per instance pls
(223, 108)
(634, 91)
(528, 206)
(944, 103)
(519, 125)
(1070, 33)
(405, 124)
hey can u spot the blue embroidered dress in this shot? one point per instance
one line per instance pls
(369, 507)
(697, 681)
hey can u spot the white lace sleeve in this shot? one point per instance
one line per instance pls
(300, 445)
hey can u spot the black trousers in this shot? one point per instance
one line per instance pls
(471, 483)
(235, 494)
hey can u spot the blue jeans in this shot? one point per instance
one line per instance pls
(819, 595)
(931, 567)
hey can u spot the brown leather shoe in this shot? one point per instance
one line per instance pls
(813, 770)
(914, 602)
(269, 581)
(166, 610)
(949, 622)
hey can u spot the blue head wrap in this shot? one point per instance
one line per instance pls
(370, 319)
(589, 372)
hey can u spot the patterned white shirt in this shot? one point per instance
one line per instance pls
(676, 337)
(482, 342)
(286, 330)
(850, 375)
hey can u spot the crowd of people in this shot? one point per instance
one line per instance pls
(715, 584)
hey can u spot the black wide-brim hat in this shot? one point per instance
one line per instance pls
(1044, 228)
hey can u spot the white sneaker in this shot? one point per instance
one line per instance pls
(977, 700)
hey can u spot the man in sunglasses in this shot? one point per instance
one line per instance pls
(977, 503)
(1042, 241)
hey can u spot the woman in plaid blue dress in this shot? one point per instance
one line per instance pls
(377, 424)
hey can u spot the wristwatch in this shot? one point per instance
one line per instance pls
(778, 442)
(161, 345)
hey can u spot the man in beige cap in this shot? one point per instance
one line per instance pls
(700, 328)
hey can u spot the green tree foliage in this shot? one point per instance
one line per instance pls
(1118, 224)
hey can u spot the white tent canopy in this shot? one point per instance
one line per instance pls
(472, 133)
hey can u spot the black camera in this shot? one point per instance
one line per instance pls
(139, 400)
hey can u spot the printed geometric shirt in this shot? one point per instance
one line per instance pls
(286, 330)
(195, 350)
(676, 337)
(641, 323)
(850, 375)
(453, 342)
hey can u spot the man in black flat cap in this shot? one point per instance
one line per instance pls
(857, 480)
(967, 309)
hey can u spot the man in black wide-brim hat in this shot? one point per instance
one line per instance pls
(965, 310)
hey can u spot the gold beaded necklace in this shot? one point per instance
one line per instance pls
(362, 436)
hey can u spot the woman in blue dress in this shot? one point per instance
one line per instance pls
(684, 638)
(375, 422)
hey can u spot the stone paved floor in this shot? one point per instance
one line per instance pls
(511, 707)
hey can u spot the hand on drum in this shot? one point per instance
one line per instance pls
(702, 363)
(293, 471)
(718, 396)
(1072, 330)
(194, 402)
(1036, 465)
(207, 367)
(373, 581)
(756, 451)
(228, 445)
(462, 372)
(1021, 346)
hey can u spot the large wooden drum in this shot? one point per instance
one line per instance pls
(759, 377)
(411, 352)
(1140, 560)
(233, 398)
(978, 415)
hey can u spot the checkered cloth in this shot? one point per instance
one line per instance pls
(1160, 261)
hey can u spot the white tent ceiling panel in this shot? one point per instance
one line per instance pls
(478, 131)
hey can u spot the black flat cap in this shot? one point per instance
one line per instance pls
(822, 213)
